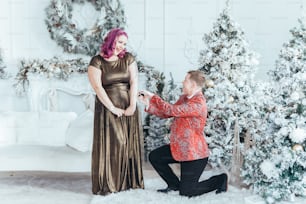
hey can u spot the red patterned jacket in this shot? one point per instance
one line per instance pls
(187, 141)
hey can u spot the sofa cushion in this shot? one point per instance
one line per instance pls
(42, 128)
(26, 125)
(53, 126)
(80, 132)
(7, 129)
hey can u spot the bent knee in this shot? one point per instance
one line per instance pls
(153, 157)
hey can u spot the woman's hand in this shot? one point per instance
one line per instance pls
(130, 111)
(117, 111)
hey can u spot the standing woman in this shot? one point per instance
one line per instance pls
(116, 155)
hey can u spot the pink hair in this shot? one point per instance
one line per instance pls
(108, 46)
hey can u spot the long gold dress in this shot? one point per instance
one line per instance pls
(116, 154)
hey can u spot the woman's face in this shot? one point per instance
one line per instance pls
(120, 44)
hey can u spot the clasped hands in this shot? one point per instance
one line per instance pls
(120, 112)
(143, 96)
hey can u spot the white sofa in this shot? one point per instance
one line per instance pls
(50, 129)
(45, 141)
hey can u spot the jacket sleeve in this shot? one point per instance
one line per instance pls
(193, 107)
(153, 109)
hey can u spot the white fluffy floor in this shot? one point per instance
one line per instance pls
(68, 188)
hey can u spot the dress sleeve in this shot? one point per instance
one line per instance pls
(130, 58)
(95, 62)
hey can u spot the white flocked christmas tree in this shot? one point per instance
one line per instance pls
(276, 165)
(3, 73)
(233, 117)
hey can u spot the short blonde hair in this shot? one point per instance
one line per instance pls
(197, 76)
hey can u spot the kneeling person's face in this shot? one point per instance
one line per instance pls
(188, 85)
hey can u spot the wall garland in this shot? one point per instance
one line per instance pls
(86, 41)
(49, 68)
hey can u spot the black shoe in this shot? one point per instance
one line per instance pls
(224, 184)
(168, 189)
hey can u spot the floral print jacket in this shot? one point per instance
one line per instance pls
(187, 141)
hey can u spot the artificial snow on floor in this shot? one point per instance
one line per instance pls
(75, 188)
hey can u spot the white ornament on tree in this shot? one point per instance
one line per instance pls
(209, 83)
(297, 147)
(231, 99)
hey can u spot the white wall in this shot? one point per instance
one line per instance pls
(166, 34)
(170, 35)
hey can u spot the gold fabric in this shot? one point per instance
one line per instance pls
(116, 154)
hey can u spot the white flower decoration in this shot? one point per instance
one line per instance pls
(298, 135)
(268, 169)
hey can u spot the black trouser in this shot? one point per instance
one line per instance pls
(191, 171)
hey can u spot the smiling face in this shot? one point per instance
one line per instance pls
(120, 44)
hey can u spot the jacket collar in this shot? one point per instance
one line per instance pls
(195, 93)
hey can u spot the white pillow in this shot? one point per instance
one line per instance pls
(26, 127)
(42, 128)
(80, 132)
(53, 126)
(7, 129)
